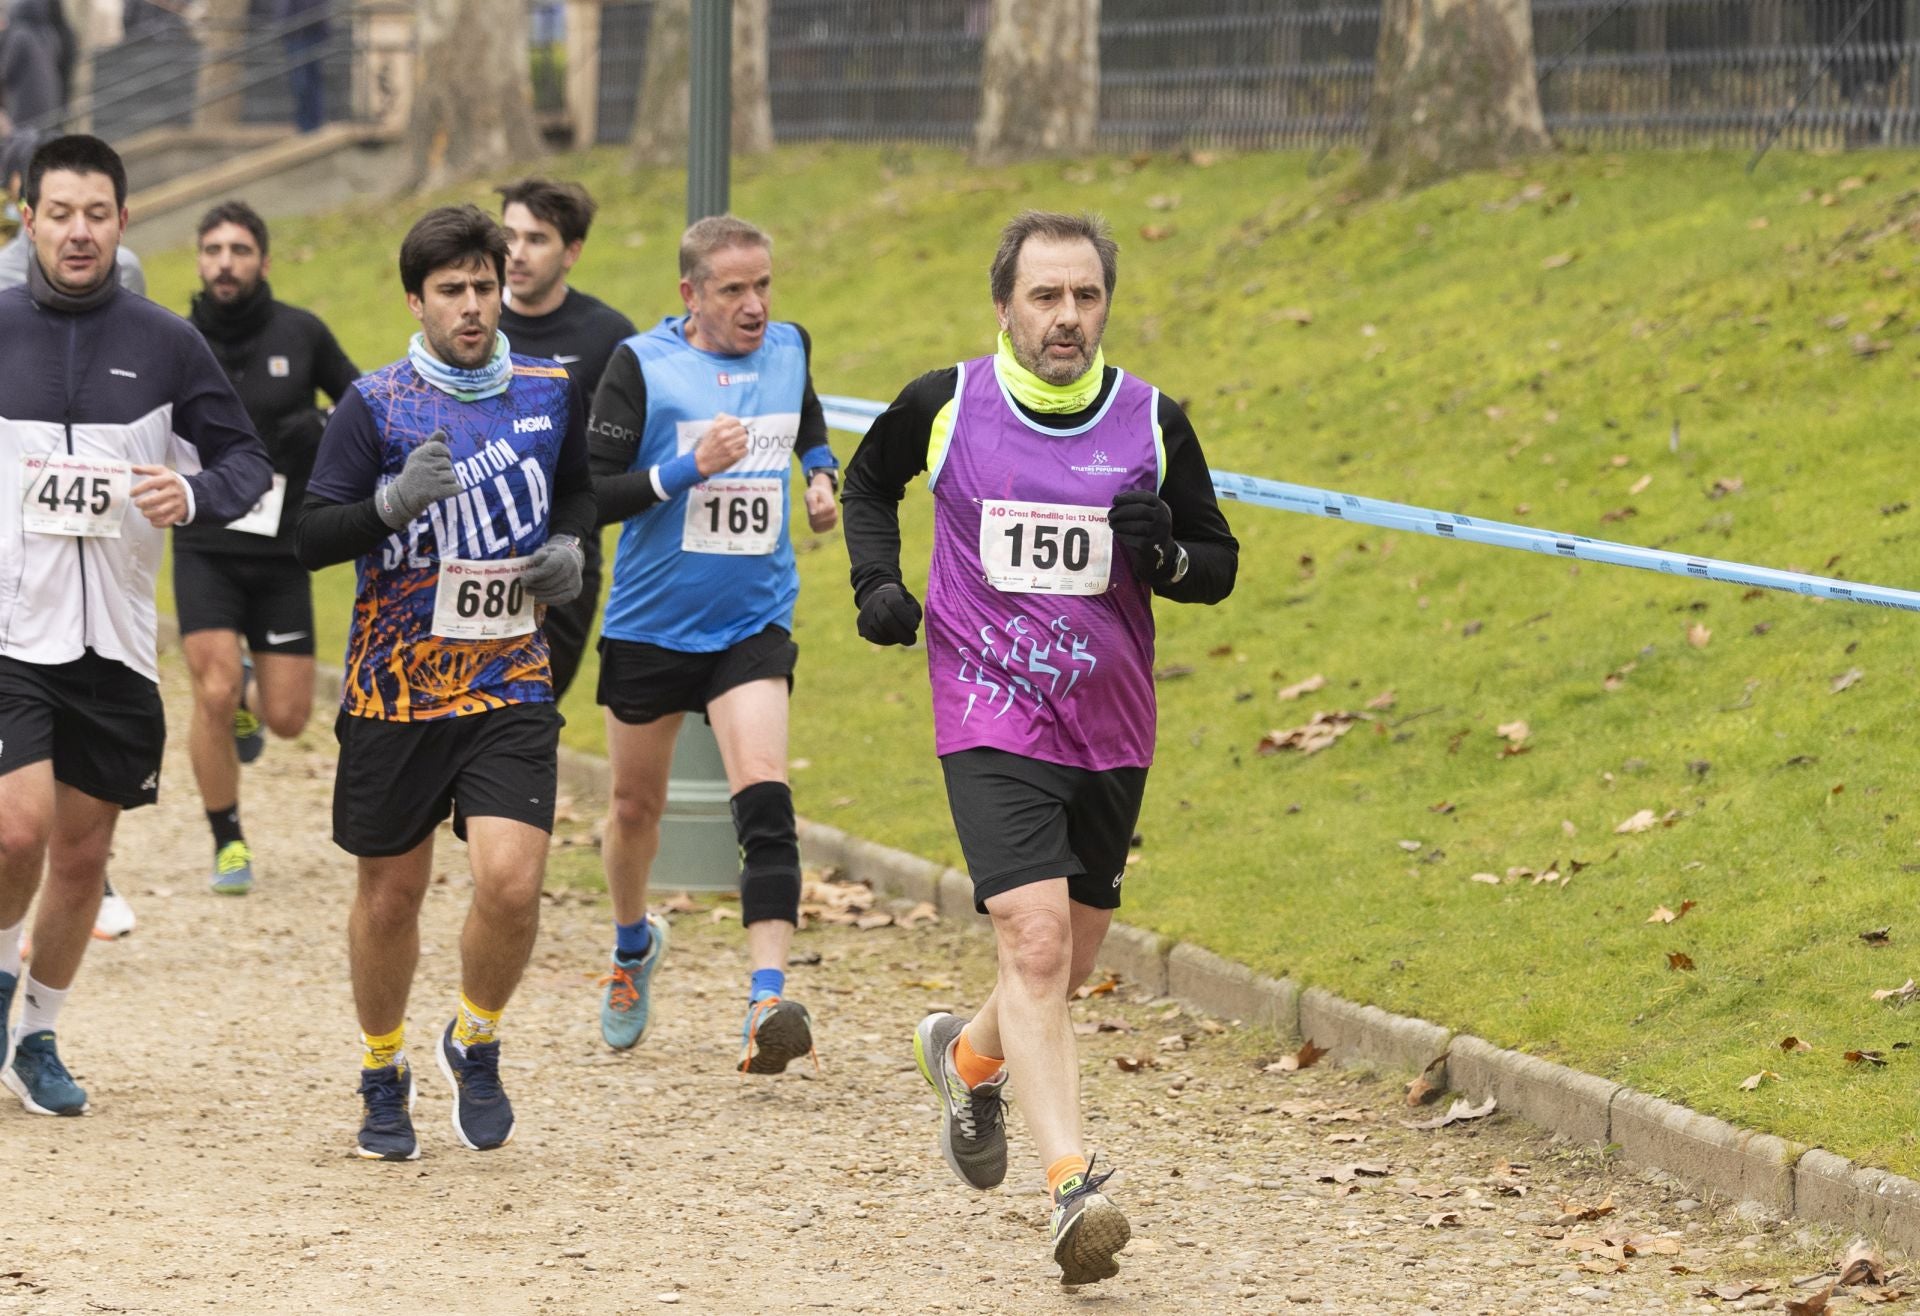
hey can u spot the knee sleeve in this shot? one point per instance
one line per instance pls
(769, 853)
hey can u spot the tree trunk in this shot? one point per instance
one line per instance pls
(660, 116)
(225, 28)
(1453, 89)
(473, 90)
(1039, 79)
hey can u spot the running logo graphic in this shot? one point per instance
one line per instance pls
(1052, 655)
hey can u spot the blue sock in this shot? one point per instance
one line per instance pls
(631, 941)
(767, 982)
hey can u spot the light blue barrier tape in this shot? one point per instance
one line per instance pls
(856, 414)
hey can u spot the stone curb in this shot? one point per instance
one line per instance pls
(1782, 1176)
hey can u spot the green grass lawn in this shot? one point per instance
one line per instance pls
(1655, 348)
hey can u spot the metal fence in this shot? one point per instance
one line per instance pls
(1289, 73)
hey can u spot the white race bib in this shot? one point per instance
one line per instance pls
(264, 519)
(1045, 548)
(736, 516)
(482, 600)
(65, 495)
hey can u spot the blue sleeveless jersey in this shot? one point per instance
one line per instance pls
(505, 451)
(698, 602)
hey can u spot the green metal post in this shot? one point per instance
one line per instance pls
(710, 122)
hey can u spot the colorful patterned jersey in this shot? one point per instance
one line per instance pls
(507, 451)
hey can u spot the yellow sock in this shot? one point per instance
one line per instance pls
(473, 1024)
(1067, 1167)
(973, 1068)
(383, 1050)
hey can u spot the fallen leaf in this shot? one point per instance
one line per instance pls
(1135, 1063)
(1882, 1295)
(1157, 232)
(1662, 914)
(1442, 1220)
(1877, 936)
(1619, 514)
(1346, 1137)
(1639, 486)
(1736, 1290)
(929, 984)
(1862, 1264)
(1846, 680)
(1574, 1212)
(1164, 201)
(1355, 1170)
(1488, 878)
(1172, 671)
(1515, 732)
(1322, 730)
(877, 919)
(922, 913)
(1220, 651)
(1426, 1086)
(1866, 1057)
(1726, 485)
(1307, 1056)
(1794, 1044)
(681, 903)
(1810, 1306)
(1677, 959)
(722, 913)
(1698, 635)
(1560, 261)
(1412, 847)
(1306, 687)
(1460, 1111)
(1640, 822)
(1109, 984)
(1900, 995)
(1444, 807)
(1381, 702)
(1298, 314)
(1753, 1081)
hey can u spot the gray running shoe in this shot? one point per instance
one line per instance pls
(1088, 1230)
(973, 1132)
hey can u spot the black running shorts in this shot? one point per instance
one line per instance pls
(1021, 820)
(397, 781)
(643, 683)
(100, 722)
(268, 599)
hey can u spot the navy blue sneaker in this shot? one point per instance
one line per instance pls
(482, 1115)
(386, 1134)
(36, 1076)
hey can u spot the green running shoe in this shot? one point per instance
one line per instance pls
(233, 869)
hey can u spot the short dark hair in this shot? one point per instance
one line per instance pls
(566, 206)
(705, 238)
(1060, 228)
(234, 212)
(79, 153)
(451, 235)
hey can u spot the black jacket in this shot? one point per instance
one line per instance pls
(276, 356)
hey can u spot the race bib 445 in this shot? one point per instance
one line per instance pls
(65, 495)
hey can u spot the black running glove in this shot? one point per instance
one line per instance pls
(1143, 523)
(425, 479)
(890, 615)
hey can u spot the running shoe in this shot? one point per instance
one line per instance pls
(250, 738)
(386, 1134)
(973, 1131)
(626, 1008)
(774, 1034)
(482, 1115)
(233, 869)
(1088, 1230)
(36, 1076)
(115, 919)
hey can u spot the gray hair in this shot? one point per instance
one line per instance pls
(715, 233)
(1059, 228)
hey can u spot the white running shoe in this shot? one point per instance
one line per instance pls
(115, 919)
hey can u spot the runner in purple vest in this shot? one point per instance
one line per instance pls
(1066, 494)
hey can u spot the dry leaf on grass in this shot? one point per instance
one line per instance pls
(921, 914)
(1874, 1058)
(1559, 261)
(1900, 995)
(1305, 1058)
(722, 913)
(1306, 687)
(1698, 635)
(1752, 1081)
(1640, 485)
(1794, 1044)
(1427, 1085)
(1110, 983)
(1883, 1295)
(1300, 315)
(1642, 821)
(1846, 680)
(1515, 732)
(1488, 878)
(1318, 733)
(1157, 232)
(681, 903)
(1135, 1063)
(1878, 936)
(1381, 702)
(1862, 1264)
(1679, 959)
(1442, 1220)
(1459, 1112)
(1809, 1306)
(868, 922)
(1574, 1212)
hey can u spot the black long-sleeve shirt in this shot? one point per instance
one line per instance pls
(895, 450)
(620, 418)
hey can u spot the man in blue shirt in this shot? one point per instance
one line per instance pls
(694, 430)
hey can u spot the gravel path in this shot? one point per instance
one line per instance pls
(213, 1175)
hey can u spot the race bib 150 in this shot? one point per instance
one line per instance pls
(482, 600)
(1045, 548)
(64, 495)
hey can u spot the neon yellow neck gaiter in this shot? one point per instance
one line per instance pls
(1036, 394)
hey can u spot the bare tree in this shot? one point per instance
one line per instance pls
(1039, 79)
(225, 28)
(660, 117)
(473, 90)
(1453, 89)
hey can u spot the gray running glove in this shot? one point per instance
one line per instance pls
(553, 574)
(889, 615)
(425, 479)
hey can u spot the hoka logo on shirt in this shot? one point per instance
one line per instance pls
(533, 425)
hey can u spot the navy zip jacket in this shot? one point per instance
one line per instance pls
(122, 382)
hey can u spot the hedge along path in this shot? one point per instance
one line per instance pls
(214, 1175)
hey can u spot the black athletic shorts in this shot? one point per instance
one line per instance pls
(100, 722)
(643, 683)
(397, 781)
(1021, 820)
(268, 599)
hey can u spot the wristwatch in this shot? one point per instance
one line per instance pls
(1180, 565)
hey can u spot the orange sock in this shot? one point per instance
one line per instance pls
(974, 1068)
(1067, 1167)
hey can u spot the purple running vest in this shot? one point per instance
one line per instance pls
(1063, 678)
